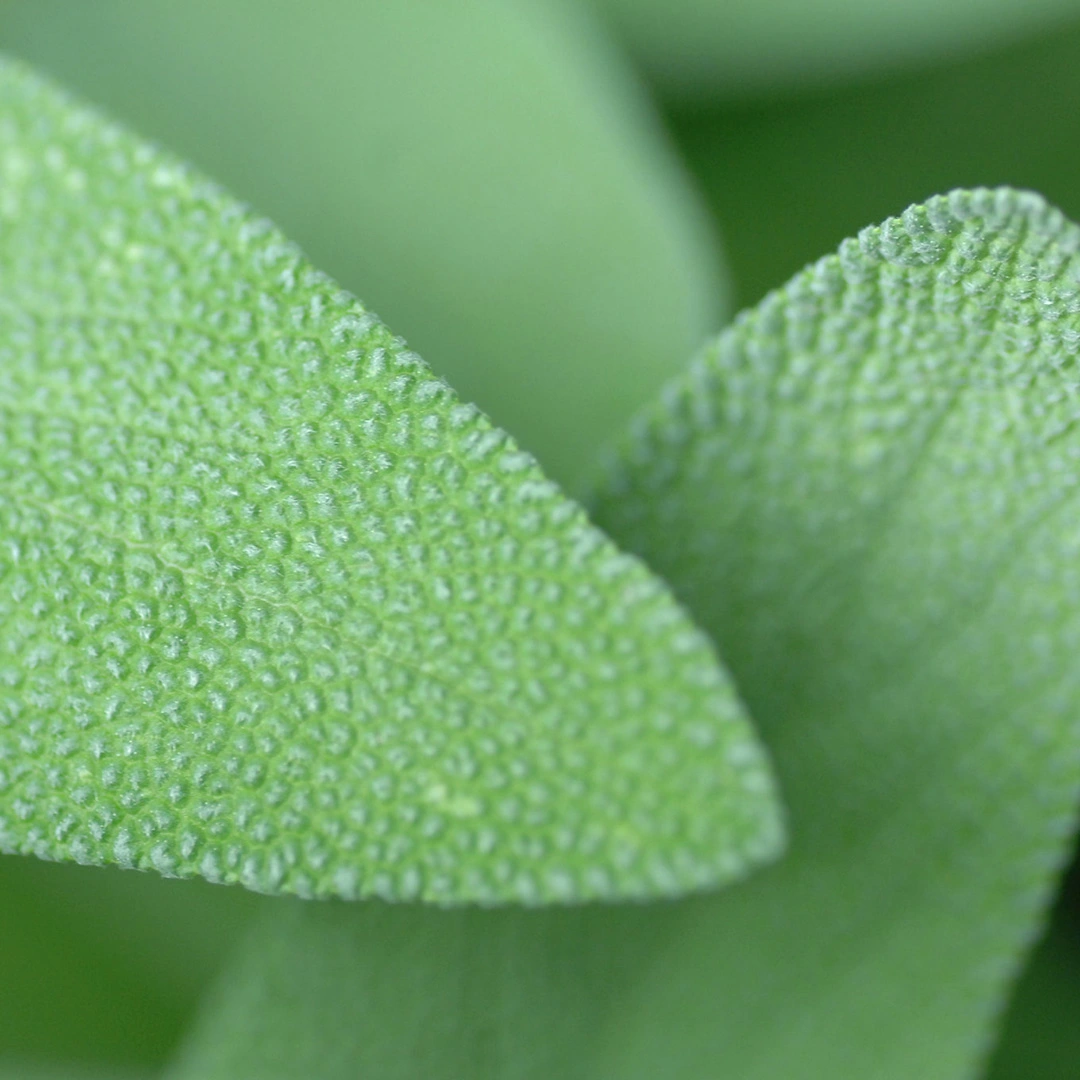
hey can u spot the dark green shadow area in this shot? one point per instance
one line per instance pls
(788, 179)
(106, 966)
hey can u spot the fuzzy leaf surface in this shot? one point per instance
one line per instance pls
(276, 608)
(867, 491)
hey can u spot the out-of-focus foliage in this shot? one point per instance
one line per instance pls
(735, 48)
(104, 966)
(1040, 1039)
(866, 490)
(790, 178)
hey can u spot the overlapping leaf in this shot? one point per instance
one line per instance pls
(105, 967)
(867, 489)
(486, 174)
(276, 608)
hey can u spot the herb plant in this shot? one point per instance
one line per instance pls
(761, 760)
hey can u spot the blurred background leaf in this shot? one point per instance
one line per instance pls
(105, 966)
(486, 175)
(1041, 1032)
(736, 48)
(790, 178)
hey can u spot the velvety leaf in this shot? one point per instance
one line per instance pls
(276, 608)
(790, 178)
(485, 173)
(867, 490)
(697, 48)
(398, 992)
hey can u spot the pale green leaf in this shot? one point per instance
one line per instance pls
(695, 48)
(485, 173)
(866, 489)
(276, 608)
(1040, 1037)
(780, 176)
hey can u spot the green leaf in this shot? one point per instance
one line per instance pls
(24, 1070)
(275, 608)
(696, 48)
(487, 175)
(867, 491)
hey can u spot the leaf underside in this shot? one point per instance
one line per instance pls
(276, 608)
(866, 491)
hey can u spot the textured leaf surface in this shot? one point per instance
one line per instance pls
(867, 491)
(276, 608)
(484, 173)
(699, 47)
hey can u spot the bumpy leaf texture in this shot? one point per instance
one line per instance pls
(698, 48)
(486, 174)
(276, 608)
(867, 490)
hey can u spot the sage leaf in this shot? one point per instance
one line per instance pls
(402, 991)
(867, 491)
(487, 175)
(277, 608)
